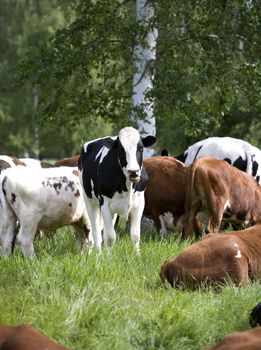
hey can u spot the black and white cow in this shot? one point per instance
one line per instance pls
(114, 181)
(236, 152)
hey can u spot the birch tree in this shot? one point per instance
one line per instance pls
(144, 62)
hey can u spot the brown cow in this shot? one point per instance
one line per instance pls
(165, 192)
(26, 337)
(70, 161)
(234, 256)
(214, 185)
(249, 340)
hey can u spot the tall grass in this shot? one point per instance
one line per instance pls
(117, 303)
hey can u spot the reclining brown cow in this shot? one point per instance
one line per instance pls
(25, 337)
(249, 340)
(234, 256)
(212, 187)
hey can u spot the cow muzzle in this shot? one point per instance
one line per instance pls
(134, 175)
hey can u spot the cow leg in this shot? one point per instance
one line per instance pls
(94, 213)
(215, 214)
(26, 236)
(109, 234)
(83, 236)
(7, 235)
(136, 212)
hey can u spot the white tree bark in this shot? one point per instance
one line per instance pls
(144, 57)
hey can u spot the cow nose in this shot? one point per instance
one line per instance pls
(133, 174)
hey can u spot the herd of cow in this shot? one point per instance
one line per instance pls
(213, 178)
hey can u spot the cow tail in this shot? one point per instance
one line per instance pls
(249, 159)
(5, 206)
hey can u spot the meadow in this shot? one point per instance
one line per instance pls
(117, 303)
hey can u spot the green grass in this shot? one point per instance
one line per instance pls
(117, 303)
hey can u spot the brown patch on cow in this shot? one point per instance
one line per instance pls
(4, 165)
(26, 337)
(13, 195)
(250, 339)
(77, 193)
(70, 161)
(71, 185)
(17, 161)
(64, 179)
(46, 165)
(75, 172)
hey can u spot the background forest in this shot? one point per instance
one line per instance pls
(66, 71)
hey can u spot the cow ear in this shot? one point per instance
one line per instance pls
(148, 140)
(116, 143)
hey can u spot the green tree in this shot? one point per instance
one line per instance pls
(207, 68)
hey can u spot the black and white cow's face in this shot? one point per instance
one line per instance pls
(130, 152)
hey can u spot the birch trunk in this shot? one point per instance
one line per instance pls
(144, 58)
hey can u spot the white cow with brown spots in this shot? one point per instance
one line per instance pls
(40, 199)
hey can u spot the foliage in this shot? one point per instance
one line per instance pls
(117, 303)
(77, 57)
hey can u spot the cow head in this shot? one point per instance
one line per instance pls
(130, 152)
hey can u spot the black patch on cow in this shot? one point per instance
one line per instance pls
(141, 185)
(164, 152)
(3, 185)
(240, 163)
(227, 160)
(70, 204)
(254, 168)
(255, 316)
(197, 153)
(57, 186)
(107, 177)
(258, 179)
(13, 198)
(182, 157)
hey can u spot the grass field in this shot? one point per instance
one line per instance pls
(117, 303)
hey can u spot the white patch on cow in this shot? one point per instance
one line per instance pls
(226, 205)
(99, 138)
(35, 163)
(121, 203)
(166, 222)
(238, 256)
(102, 154)
(129, 138)
(202, 217)
(235, 245)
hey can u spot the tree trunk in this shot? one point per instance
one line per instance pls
(144, 58)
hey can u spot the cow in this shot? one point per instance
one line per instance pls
(165, 192)
(8, 162)
(35, 163)
(255, 316)
(40, 199)
(214, 186)
(229, 257)
(70, 161)
(236, 152)
(114, 181)
(26, 337)
(248, 340)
